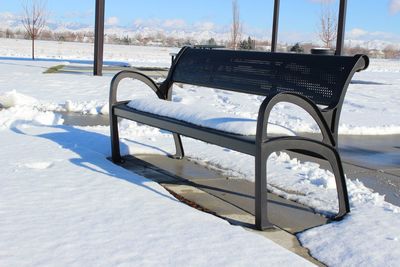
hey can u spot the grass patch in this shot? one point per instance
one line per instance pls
(54, 69)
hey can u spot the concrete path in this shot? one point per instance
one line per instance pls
(230, 199)
(378, 152)
(285, 214)
(375, 160)
(372, 159)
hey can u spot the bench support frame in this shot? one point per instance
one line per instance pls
(264, 146)
(116, 154)
(279, 77)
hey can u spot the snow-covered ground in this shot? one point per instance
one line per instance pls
(62, 203)
(53, 207)
(363, 112)
(135, 55)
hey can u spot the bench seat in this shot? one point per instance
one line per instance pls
(240, 143)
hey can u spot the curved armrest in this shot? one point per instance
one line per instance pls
(362, 62)
(134, 75)
(299, 100)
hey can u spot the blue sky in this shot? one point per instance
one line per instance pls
(379, 19)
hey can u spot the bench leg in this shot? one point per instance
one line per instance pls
(179, 153)
(115, 151)
(326, 152)
(337, 169)
(261, 197)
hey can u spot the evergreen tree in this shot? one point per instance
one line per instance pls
(248, 44)
(297, 48)
(211, 41)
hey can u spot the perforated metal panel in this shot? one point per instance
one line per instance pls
(318, 77)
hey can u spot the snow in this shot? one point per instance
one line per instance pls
(13, 98)
(202, 117)
(372, 221)
(74, 207)
(63, 203)
(14, 116)
(362, 113)
(134, 55)
(369, 235)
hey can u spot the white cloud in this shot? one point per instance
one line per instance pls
(151, 23)
(137, 22)
(79, 14)
(8, 19)
(205, 26)
(356, 33)
(7, 16)
(112, 21)
(394, 6)
(174, 23)
(364, 35)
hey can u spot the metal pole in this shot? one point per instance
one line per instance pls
(341, 27)
(275, 26)
(99, 38)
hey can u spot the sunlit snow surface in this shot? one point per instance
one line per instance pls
(370, 107)
(62, 202)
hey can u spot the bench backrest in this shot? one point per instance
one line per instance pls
(322, 78)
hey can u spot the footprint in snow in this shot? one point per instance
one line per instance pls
(39, 165)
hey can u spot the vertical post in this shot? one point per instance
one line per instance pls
(275, 26)
(99, 38)
(341, 27)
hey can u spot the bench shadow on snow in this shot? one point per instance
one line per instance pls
(367, 82)
(92, 150)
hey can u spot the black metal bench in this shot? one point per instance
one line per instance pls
(316, 83)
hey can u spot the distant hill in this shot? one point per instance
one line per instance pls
(167, 33)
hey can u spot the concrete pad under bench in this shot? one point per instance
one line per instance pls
(285, 214)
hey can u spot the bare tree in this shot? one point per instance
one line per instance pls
(391, 52)
(356, 50)
(327, 25)
(33, 19)
(236, 28)
(9, 34)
